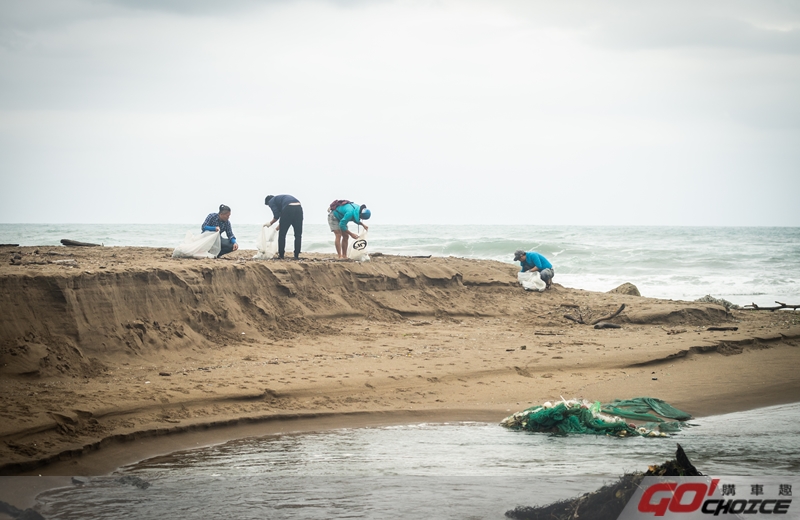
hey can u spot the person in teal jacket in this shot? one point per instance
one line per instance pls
(533, 261)
(346, 213)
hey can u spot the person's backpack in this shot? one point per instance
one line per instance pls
(336, 203)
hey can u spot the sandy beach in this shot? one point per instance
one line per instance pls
(110, 355)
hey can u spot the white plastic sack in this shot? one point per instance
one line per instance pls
(357, 249)
(531, 281)
(205, 245)
(267, 242)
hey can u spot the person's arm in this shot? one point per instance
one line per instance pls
(229, 231)
(207, 224)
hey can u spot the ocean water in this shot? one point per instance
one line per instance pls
(458, 470)
(742, 265)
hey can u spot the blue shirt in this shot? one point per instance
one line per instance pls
(347, 213)
(279, 202)
(533, 259)
(212, 222)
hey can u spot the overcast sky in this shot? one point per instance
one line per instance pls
(486, 111)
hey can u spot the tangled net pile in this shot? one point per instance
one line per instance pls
(581, 416)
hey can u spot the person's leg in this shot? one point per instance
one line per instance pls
(282, 234)
(345, 242)
(337, 241)
(298, 231)
(337, 234)
(225, 246)
(546, 275)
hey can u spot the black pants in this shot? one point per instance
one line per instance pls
(291, 216)
(226, 246)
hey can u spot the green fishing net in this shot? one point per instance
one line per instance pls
(594, 418)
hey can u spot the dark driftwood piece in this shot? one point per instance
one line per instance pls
(75, 243)
(720, 329)
(610, 316)
(607, 325)
(580, 319)
(754, 307)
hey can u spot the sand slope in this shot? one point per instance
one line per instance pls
(113, 344)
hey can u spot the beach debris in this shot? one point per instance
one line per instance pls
(9, 245)
(79, 481)
(165, 374)
(626, 288)
(75, 243)
(587, 320)
(609, 501)
(718, 301)
(585, 417)
(607, 325)
(721, 329)
(754, 307)
(523, 347)
(671, 332)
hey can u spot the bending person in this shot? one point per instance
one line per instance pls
(350, 212)
(333, 223)
(288, 210)
(220, 222)
(533, 261)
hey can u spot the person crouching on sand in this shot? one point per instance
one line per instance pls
(219, 222)
(345, 213)
(533, 261)
(288, 210)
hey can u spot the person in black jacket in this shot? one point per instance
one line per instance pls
(288, 210)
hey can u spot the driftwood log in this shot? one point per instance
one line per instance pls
(75, 243)
(720, 329)
(580, 319)
(754, 307)
(610, 316)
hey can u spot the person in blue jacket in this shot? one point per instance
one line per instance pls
(346, 213)
(219, 223)
(533, 261)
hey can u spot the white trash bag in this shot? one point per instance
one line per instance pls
(357, 249)
(205, 245)
(267, 242)
(531, 281)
